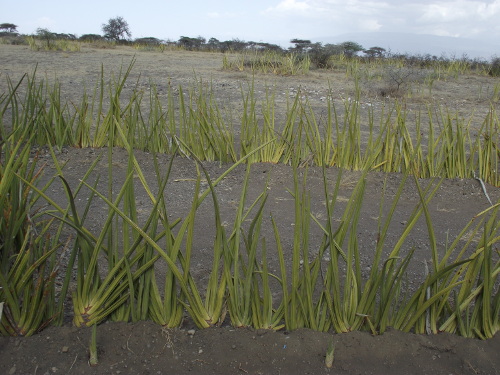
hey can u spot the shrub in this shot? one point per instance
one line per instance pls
(12, 38)
(395, 81)
(90, 38)
(148, 40)
(46, 36)
(495, 67)
(321, 56)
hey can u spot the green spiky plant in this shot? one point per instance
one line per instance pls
(28, 264)
(457, 295)
(344, 138)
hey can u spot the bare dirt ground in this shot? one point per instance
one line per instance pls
(145, 348)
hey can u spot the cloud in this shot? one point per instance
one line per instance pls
(330, 17)
(224, 15)
(45, 22)
(447, 12)
(370, 25)
(465, 18)
(289, 6)
(343, 13)
(489, 10)
(327, 8)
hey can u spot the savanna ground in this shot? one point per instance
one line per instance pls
(146, 348)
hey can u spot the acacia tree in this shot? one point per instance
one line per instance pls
(191, 43)
(301, 45)
(351, 48)
(8, 27)
(213, 44)
(90, 37)
(46, 35)
(116, 29)
(374, 52)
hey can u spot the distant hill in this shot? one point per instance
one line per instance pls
(419, 44)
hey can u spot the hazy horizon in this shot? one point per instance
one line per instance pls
(276, 21)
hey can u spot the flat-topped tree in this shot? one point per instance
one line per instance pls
(213, 43)
(8, 27)
(90, 37)
(191, 43)
(351, 48)
(301, 45)
(373, 52)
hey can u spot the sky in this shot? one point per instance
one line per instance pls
(273, 21)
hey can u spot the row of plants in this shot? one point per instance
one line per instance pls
(398, 68)
(459, 294)
(267, 62)
(427, 143)
(49, 43)
(48, 252)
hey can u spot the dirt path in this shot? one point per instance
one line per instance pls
(144, 348)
